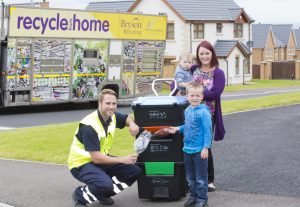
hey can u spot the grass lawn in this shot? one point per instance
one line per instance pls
(51, 143)
(254, 84)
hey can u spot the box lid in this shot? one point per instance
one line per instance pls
(160, 101)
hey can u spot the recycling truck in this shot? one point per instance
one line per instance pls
(51, 56)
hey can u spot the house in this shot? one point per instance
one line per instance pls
(297, 38)
(260, 35)
(190, 22)
(274, 51)
(233, 54)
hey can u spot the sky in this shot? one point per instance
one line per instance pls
(262, 11)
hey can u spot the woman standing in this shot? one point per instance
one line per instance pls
(207, 72)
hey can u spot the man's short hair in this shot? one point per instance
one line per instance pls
(195, 85)
(104, 92)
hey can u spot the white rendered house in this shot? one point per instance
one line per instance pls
(191, 21)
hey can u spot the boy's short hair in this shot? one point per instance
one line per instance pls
(195, 85)
(104, 92)
(186, 55)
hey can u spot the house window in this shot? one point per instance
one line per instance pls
(170, 31)
(246, 66)
(276, 54)
(219, 27)
(237, 65)
(238, 30)
(291, 51)
(269, 53)
(282, 54)
(198, 31)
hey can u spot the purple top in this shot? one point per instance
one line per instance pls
(214, 95)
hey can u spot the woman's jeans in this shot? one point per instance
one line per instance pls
(196, 175)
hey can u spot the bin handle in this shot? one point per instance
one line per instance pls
(164, 79)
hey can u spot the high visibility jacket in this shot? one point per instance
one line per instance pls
(78, 156)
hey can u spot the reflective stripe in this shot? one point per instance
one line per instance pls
(124, 185)
(90, 194)
(116, 189)
(80, 151)
(118, 186)
(102, 134)
(85, 195)
(116, 181)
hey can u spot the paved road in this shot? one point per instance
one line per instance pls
(243, 94)
(13, 120)
(257, 165)
(43, 118)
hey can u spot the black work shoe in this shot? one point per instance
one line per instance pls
(107, 201)
(76, 202)
(190, 202)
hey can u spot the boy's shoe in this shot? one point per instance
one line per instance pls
(107, 201)
(200, 205)
(211, 187)
(76, 202)
(190, 202)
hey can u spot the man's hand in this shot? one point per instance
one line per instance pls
(204, 153)
(129, 159)
(173, 130)
(103, 159)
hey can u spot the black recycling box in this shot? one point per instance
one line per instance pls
(162, 180)
(166, 149)
(159, 110)
(163, 175)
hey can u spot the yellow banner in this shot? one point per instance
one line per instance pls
(58, 23)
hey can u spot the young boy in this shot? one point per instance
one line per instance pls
(197, 140)
(182, 74)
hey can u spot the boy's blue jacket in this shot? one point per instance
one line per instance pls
(197, 129)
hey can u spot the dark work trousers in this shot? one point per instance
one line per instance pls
(210, 167)
(103, 181)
